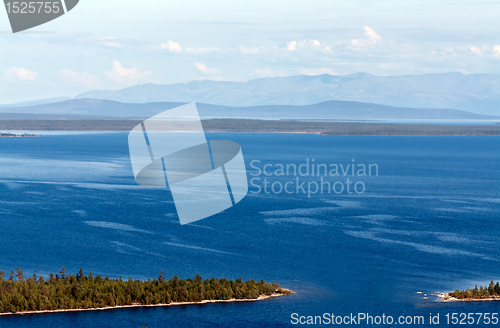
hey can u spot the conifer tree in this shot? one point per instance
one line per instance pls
(63, 272)
(161, 279)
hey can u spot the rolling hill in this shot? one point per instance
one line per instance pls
(329, 110)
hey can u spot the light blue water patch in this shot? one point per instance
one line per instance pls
(115, 226)
(299, 220)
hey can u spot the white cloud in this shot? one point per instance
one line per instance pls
(291, 45)
(471, 51)
(266, 72)
(317, 71)
(122, 74)
(205, 70)
(247, 51)
(475, 50)
(372, 38)
(21, 74)
(496, 50)
(372, 35)
(172, 46)
(312, 44)
(84, 78)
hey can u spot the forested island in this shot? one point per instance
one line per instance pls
(13, 135)
(266, 126)
(483, 293)
(78, 292)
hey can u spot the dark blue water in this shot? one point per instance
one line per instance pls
(428, 222)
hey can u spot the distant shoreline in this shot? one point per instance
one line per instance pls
(266, 126)
(260, 298)
(446, 298)
(13, 135)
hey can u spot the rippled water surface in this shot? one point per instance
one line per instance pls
(428, 222)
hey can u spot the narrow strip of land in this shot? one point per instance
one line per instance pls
(266, 126)
(481, 293)
(448, 297)
(80, 292)
(283, 292)
(13, 135)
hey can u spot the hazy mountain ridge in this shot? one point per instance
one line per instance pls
(341, 110)
(37, 102)
(477, 93)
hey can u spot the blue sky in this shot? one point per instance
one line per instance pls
(114, 44)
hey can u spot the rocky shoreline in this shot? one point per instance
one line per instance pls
(445, 297)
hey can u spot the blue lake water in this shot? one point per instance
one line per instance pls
(428, 222)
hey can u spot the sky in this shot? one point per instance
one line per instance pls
(113, 44)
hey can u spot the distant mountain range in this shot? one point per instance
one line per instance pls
(476, 93)
(329, 110)
(37, 102)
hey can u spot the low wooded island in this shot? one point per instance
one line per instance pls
(13, 135)
(266, 126)
(63, 292)
(483, 293)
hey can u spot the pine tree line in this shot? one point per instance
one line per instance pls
(63, 291)
(490, 291)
